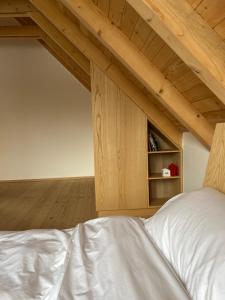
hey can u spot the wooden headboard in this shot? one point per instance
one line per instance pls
(215, 173)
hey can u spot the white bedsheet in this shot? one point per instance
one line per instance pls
(107, 258)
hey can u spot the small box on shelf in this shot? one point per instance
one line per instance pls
(165, 172)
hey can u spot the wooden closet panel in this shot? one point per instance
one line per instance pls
(120, 130)
(215, 172)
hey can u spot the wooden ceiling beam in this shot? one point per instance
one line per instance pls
(71, 31)
(142, 68)
(53, 42)
(13, 15)
(61, 41)
(28, 31)
(15, 8)
(67, 61)
(193, 40)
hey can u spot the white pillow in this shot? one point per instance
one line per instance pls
(190, 231)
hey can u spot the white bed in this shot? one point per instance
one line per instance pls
(108, 258)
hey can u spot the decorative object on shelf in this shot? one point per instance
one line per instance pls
(165, 172)
(153, 143)
(174, 169)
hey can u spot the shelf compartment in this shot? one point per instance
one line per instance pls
(164, 142)
(162, 190)
(158, 161)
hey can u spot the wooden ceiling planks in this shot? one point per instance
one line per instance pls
(198, 92)
(189, 36)
(207, 105)
(194, 3)
(162, 56)
(125, 51)
(186, 81)
(220, 29)
(164, 59)
(213, 12)
(152, 46)
(104, 6)
(129, 20)
(155, 49)
(116, 9)
(215, 116)
(140, 34)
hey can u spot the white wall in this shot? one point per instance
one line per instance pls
(194, 162)
(45, 116)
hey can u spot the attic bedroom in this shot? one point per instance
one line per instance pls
(112, 128)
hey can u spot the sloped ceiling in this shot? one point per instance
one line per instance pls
(213, 12)
(203, 102)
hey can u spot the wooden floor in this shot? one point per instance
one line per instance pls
(46, 203)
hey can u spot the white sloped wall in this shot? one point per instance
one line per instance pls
(45, 116)
(194, 162)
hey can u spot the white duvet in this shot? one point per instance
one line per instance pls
(190, 232)
(108, 258)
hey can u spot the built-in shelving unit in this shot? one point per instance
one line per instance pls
(163, 188)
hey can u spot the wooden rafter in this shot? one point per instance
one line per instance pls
(15, 8)
(29, 31)
(54, 44)
(78, 39)
(13, 15)
(190, 37)
(141, 67)
(67, 61)
(57, 45)
(61, 41)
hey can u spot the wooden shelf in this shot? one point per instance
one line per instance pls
(158, 176)
(157, 201)
(163, 151)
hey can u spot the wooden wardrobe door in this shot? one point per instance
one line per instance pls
(120, 142)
